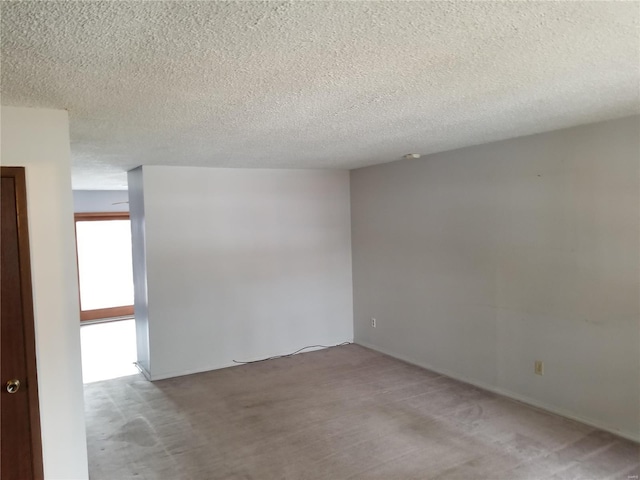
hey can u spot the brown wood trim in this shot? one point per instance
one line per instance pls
(96, 216)
(100, 313)
(18, 174)
(106, 313)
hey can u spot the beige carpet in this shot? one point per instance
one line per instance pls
(341, 413)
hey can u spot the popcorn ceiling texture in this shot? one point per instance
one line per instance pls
(312, 84)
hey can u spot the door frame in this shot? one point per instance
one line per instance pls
(100, 313)
(28, 318)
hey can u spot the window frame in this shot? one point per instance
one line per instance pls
(100, 313)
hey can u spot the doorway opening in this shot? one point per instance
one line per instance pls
(105, 277)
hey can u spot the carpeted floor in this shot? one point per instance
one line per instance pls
(341, 413)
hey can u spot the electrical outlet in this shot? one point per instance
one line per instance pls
(373, 322)
(538, 367)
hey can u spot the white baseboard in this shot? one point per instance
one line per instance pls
(192, 371)
(208, 368)
(143, 371)
(634, 437)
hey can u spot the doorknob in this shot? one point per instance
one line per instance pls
(13, 385)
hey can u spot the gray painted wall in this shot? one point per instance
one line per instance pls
(139, 261)
(479, 261)
(240, 264)
(100, 201)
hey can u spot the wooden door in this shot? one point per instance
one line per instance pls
(20, 442)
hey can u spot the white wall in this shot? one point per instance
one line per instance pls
(476, 262)
(241, 264)
(38, 139)
(100, 201)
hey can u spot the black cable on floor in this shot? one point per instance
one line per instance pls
(294, 353)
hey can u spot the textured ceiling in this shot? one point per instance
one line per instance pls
(312, 84)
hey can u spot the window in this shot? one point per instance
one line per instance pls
(105, 271)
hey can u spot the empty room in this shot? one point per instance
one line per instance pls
(357, 240)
